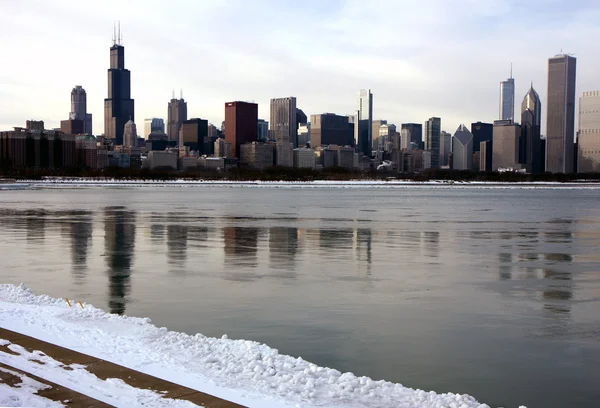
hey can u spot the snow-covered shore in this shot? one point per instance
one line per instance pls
(115, 183)
(240, 371)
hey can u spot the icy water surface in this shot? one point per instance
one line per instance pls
(490, 292)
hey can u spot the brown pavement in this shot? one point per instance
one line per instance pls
(104, 369)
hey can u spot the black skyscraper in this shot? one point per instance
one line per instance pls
(118, 107)
(482, 132)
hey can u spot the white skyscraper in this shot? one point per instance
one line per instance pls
(507, 98)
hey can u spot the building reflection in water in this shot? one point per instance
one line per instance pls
(119, 244)
(431, 243)
(157, 233)
(363, 241)
(35, 224)
(240, 245)
(506, 266)
(177, 245)
(81, 229)
(336, 239)
(283, 247)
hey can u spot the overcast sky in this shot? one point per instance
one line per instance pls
(420, 58)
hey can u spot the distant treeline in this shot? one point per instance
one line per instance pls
(290, 174)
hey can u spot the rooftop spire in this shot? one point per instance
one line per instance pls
(511, 70)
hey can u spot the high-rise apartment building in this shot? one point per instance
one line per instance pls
(153, 125)
(530, 146)
(240, 124)
(560, 119)
(507, 98)
(433, 129)
(176, 116)
(118, 107)
(482, 132)
(330, 129)
(284, 125)
(588, 137)
(411, 134)
(363, 122)
(79, 109)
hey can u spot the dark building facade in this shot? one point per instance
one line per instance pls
(194, 134)
(433, 131)
(240, 124)
(47, 149)
(411, 133)
(482, 132)
(560, 122)
(72, 126)
(331, 129)
(118, 107)
(530, 144)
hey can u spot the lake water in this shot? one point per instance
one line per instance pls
(491, 292)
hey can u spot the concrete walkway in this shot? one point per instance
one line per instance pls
(103, 370)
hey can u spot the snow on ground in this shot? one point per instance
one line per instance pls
(111, 391)
(24, 394)
(377, 184)
(241, 371)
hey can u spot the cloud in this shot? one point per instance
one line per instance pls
(427, 58)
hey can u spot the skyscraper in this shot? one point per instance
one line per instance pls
(482, 132)
(284, 128)
(530, 147)
(560, 121)
(79, 109)
(284, 120)
(363, 123)
(130, 135)
(446, 144)
(240, 124)
(588, 138)
(153, 125)
(118, 107)
(330, 129)
(433, 128)
(462, 149)
(411, 133)
(507, 98)
(176, 116)
(375, 125)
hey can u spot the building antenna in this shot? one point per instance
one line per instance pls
(180, 93)
(114, 37)
(120, 38)
(511, 70)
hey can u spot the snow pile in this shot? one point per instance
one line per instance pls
(245, 372)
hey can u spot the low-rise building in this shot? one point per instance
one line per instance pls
(86, 148)
(304, 158)
(162, 159)
(257, 155)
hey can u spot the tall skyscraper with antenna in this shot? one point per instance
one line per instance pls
(507, 98)
(176, 116)
(118, 107)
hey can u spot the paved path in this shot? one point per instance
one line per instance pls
(103, 370)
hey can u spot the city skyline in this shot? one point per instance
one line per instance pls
(405, 74)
